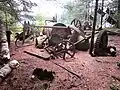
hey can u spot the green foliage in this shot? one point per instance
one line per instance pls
(113, 5)
(16, 7)
(76, 9)
(39, 19)
(13, 11)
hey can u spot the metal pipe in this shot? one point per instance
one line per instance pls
(44, 26)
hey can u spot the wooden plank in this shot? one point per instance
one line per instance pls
(43, 55)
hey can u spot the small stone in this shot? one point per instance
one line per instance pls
(33, 76)
(41, 50)
(113, 80)
(113, 84)
(85, 86)
(88, 80)
(118, 85)
(83, 65)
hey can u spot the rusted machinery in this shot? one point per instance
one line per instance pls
(63, 41)
(29, 33)
(59, 44)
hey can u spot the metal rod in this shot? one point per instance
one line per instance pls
(44, 26)
(79, 41)
(93, 31)
(66, 69)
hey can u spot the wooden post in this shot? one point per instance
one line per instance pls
(93, 31)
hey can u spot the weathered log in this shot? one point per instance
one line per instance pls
(43, 55)
(4, 48)
(5, 70)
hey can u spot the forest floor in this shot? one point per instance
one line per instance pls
(96, 73)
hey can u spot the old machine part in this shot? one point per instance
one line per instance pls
(100, 11)
(83, 45)
(27, 33)
(61, 32)
(87, 25)
(59, 44)
(101, 43)
(76, 23)
(79, 35)
(101, 47)
(111, 20)
(19, 39)
(64, 49)
(39, 41)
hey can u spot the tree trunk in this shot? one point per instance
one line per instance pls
(4, 48)
(93, 31)
(118, 15)
(6, 69)
(118, 6)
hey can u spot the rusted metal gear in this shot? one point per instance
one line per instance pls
(76, 23)
(64, 49)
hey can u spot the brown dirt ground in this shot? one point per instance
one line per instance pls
(95, 72)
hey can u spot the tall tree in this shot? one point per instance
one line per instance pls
(15, 8)
(118, 6)
(77, 9)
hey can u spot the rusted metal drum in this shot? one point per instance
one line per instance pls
(61, 32)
